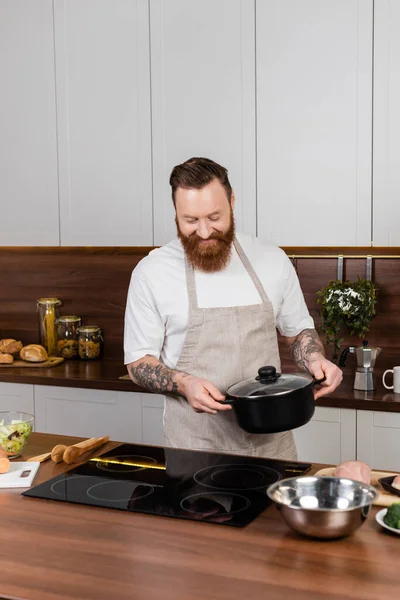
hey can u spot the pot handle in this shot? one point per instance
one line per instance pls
(317, 381)
(227, 401)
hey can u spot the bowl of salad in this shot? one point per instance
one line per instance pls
(15, 428)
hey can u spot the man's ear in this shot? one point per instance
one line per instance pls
(233, 199)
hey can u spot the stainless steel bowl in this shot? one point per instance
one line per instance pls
(322, 507)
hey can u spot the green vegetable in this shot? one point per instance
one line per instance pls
(392, 517)
(13, 437)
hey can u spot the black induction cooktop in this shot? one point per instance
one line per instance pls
(186, 484)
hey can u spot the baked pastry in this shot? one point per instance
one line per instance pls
(33, 353)
(6, 359)
(10, 346)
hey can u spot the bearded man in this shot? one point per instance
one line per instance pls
(203, 312)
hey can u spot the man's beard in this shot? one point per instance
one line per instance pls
(210, 257)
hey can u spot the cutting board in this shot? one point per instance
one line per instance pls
(20, 475)
(50, 362)
(384, 498)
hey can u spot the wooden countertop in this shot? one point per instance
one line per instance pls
(105, 374)
(96, 374)
(58, 551)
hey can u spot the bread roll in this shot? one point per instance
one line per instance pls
(33, 353)
(10, 346)
(6, 359)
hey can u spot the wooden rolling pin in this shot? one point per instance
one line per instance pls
(72, 453)
(58, 451)
(4, 461)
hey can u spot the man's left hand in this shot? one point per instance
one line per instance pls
(325, 368)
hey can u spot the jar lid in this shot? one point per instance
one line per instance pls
(269, 383)
(88, 329)
(52, 301)
(68, 319)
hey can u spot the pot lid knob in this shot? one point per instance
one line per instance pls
(267, 374)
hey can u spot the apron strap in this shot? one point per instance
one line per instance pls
(254, 277)
(191, 283)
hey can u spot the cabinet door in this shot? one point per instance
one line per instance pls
(17, 396)
(386, 180)
(28, 147)
(330, 436)
(314, 114)
(152, 419)
(203, 98)
(89, 413)
(378, 439)
(103, 116)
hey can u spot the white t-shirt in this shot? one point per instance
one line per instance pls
(157, 310)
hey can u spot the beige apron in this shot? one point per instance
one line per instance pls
(224, 346)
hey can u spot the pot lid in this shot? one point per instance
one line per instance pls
(269, 383)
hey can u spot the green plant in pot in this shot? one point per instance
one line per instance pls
(349, 304)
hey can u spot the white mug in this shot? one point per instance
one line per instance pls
(396, 380)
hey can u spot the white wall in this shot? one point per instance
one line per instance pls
(101, 98)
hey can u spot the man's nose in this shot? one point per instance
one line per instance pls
(204, 230)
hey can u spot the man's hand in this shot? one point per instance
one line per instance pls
(150, 373)
(202, 395)
(332, 373)
(308, 352)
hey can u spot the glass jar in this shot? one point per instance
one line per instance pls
(49, 312)
(89, 342)
(67, 336)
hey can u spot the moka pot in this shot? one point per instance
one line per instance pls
(366, 358)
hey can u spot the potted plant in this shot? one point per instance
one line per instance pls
(346, 304)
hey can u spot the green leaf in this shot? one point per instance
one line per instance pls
(346, 305)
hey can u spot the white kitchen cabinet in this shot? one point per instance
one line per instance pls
(17, 397)
(28, 146)
(314, 115)
(386, 165)
(330, 436)
(89, 413)
(152, 419)
(378, 439)
(203, 99)
(103, 118)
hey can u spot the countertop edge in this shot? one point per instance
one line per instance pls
(105, 375)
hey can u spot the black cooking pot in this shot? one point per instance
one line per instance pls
(273, 402)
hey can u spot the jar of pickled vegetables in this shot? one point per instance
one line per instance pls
(67, 336)
(89, 342)
(49, 312)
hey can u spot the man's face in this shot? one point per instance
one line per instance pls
(205, 224)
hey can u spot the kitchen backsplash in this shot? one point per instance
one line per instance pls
(93, 283)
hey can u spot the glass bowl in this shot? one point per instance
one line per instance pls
(15, 429)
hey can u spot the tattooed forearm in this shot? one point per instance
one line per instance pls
(307, 347)
(154, 376)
